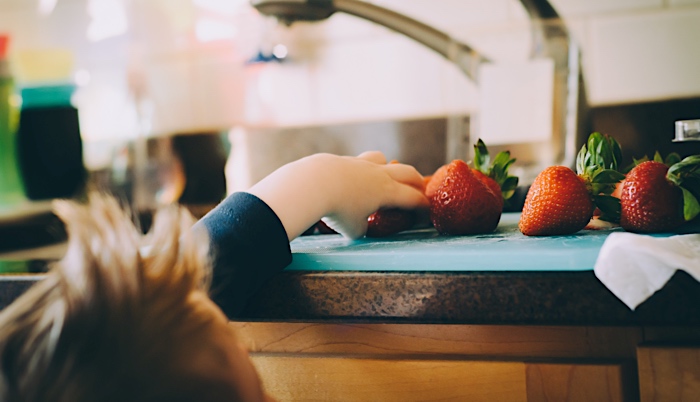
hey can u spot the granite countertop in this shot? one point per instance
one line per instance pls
(417, 278)
(506, 297)
(499, 278)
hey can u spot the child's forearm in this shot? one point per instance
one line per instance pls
(298, 193)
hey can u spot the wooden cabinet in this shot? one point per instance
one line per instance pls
(669, 373)
(580, 381)
(417, 362)
(299, 378)
(320, 378)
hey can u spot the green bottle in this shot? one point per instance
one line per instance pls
(11, 188)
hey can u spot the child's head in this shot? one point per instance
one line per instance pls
(111, 322)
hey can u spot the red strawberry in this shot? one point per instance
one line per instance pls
(491, 184)
(561, 201)
(617, 193)
(386, 222)
(324, 229)
(670, 160)
(463, 204)
(319, 227)
(557, 203)
(660, 195)
(435, 181)
(650, 202)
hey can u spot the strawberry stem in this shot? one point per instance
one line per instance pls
(497, 170)
(599, 153)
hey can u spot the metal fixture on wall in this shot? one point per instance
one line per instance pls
(549, 40)
(687, 130)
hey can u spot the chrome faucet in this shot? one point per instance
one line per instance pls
(549, 40)
(289, 11)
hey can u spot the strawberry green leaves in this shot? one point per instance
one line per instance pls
(691, 207)
(686, 175)
(599, 153)
(670, 160)
(610, 207)
(597, 163)
(498, 170)
(603, 181)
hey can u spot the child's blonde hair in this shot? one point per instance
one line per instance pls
(110, 322)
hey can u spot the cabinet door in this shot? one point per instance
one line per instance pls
(553, 382)
(358, 379)
(669, 373)
(336, 378)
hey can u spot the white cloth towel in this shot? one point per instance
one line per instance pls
(635, 266)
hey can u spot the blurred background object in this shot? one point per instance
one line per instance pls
(40, 148)
(218, 71)
(49, 144)
(11, 188)
(687, 130)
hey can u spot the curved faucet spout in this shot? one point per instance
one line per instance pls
(289, 11)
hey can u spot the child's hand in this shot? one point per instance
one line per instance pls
(341, 189)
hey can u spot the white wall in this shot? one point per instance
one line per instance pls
(633, 50)
(346, 69)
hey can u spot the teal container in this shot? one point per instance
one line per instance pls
(49, 145)
(47, 96)
(11, 187)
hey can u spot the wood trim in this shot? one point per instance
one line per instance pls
(672, 334)
(435, 339)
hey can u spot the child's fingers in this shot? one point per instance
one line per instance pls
(356, 230)
(405, 174)
(406, 197)
(350, 228)
(374, 157)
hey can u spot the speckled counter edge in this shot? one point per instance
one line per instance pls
(534, 298)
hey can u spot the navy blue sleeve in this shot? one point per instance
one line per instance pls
(248, 246)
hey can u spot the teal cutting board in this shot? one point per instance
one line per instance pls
(425, 250)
